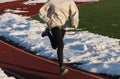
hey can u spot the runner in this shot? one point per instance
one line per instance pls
(58, 14)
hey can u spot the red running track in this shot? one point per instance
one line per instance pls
(19, 60)
(32, 9)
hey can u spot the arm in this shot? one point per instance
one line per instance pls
(43, 12)
(74, 14)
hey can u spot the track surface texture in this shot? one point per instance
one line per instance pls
(21, 61)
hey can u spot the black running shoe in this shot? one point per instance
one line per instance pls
(45, 33)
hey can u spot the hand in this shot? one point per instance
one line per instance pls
(50, 23)
(74, 26)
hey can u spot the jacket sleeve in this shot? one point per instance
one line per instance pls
(43, 12)
(74, 14)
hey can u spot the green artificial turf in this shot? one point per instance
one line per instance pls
(101, 18)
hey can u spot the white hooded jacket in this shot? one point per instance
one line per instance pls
(59, 12)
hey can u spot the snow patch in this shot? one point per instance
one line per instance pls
(97, 53)
(14, 11)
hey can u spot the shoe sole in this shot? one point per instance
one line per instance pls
(65, 72)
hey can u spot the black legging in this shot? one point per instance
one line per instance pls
(56, 38)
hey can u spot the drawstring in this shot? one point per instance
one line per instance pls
(76, 31)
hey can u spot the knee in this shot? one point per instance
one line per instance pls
(54, 47)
